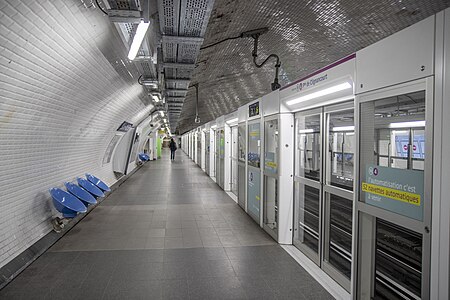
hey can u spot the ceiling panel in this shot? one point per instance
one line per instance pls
(306, 35)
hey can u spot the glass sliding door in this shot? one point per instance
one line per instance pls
(394, 192)
(213, 153)
(220, 144)
(254, 170)
(242, 150)
(338, 191)
(234, 160)
(270, 211)
(308, 183)
(207, 152)
(324, 179)
(199, 148)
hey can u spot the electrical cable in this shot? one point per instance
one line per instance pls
(275, 85)
(139, 80)
(219, 42)
(255, 35)
(98, 5)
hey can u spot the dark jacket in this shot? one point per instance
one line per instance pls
(173, 146)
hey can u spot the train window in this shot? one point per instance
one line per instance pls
(308, 146)
(341, 149)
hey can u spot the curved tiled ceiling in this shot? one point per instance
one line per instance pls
(307, 35)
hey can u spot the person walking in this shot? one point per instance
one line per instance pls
(173, 148)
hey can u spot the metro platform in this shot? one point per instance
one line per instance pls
(168, 232)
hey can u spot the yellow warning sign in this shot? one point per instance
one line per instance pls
(271, 164)
(391, 193)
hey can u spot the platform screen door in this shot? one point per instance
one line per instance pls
(323, 183)
(394, 191)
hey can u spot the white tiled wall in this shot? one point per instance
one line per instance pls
(61, 101)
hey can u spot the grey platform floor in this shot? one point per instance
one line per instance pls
(169, 232)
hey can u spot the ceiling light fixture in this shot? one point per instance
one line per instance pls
(137, 39)
(309, 130)
(324, 92)
(214, 127)
(407, 124)
(155, 98)
(343, 128)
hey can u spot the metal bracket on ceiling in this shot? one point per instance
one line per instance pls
(148, 81)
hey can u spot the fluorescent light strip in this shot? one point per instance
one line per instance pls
(137, 39)
(407, 124)
(343, 128)
(324, 92)
(213, 127)
(232, 121)
(310, 130)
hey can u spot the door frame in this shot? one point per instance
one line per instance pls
(427, 85)
(272, 175)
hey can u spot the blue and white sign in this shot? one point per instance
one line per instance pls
(398, 190)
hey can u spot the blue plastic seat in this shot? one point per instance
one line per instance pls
(66, 203)
(90, 187)
(80, 193)
(144, 157)
(103, 186)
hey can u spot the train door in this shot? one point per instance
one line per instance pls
(324, 176)
(394, 192)
(234, 160)
(242, 178)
